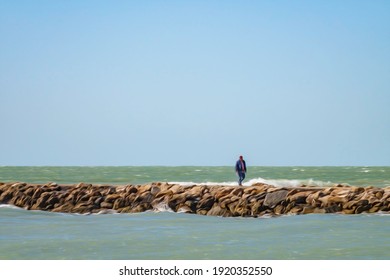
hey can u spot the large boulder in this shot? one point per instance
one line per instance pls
(274, 198)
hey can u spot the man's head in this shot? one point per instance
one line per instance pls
(241, 157)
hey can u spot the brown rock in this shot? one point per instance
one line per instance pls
(126, 209)
(201, 211)
(111, 198)
(301, 199)
(192, 204)
(319, 211)
(64, 208)
(333, 208)
(279, 209)
(164, 193)
(374, 209)
(237, 191)
(206, 202)
(155, 190)
(177, 188)
(144, 188)
(216, 210)
(226, 200)
(105, 204)
(308, 210)
(296, 210)
(131, 189)
(257, 207)
(349, 211)
(196, 191)
(6, 196)
(242, 209)
(222, 192)
(184, 209)
(37, 193)
(98, 201)
(272, 199)
(252, 201)
(119, 203)
(82, 208)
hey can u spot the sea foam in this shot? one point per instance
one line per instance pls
(274, 182)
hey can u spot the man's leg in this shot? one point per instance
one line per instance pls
(242, 177)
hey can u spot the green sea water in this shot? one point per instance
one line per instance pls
(166, 235)
(291, 175)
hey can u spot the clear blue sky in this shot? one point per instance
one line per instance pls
(194, 82)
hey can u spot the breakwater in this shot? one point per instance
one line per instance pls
(216, 200)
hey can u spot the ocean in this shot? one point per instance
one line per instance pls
(31, 235)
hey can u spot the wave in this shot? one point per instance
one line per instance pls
(162, 207)
(9, 206)
(291, 182)
(187, 184)
(274, 182)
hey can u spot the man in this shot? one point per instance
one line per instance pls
(240, 170)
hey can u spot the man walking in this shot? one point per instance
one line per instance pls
(240, 170)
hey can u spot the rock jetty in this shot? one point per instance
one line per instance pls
(227, 201)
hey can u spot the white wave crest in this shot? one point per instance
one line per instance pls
(291, 183)
(9, 206)
(187, 184)
(274, 182)
(162, 207)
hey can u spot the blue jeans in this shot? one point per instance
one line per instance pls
(241, 177)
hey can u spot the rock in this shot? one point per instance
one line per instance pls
(308, 210)
(42, 201)
(312, 199)
(374, 209)
(296, 210)
(164, 193)
(257, 207)
(98, 201)
(300, 199)
(6, 196)
(242, 209)
(201, 211)
(379, 194)
(192, 204)
(216, 210)
(177, 188)
(206, 203)
(237, 191)
(119, 203)
(105, 204)
(348, 211)
(64, 208)
(155, 190)
(126, 209)
(184, 209)
(144, 188)
(254, 201)
(111, 198)
(82, 208)
(333, 209)
(272, 199)
(279, 209)
(222, 192)
(131, 189)
(227, 200)
(196, 191)
(18, 185)
(319, 211)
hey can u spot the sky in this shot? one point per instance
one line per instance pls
(195, 82)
